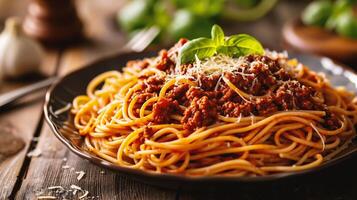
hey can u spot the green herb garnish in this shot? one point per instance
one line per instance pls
(235, 46)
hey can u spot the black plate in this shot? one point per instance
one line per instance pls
(64, 90)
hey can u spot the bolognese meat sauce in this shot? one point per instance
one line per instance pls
(270, 85)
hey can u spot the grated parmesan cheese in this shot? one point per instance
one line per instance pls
(64, 193)
(63, 109)
(84, 195)
(213, 66)
(34, 153)
(80, 175)
(46, 197)
(65, 166)
(55, 187)
(319, 134)
(76, 187)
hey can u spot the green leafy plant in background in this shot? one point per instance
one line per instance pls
(234, 46)
(186, 24)
(339, 8)
(187, 18)
(336, 16)
(203, 8)
(137, 14)
(252, 9)
(347, 25)
(317, 13)
(247, 3)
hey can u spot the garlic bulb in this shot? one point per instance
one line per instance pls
(19, 54)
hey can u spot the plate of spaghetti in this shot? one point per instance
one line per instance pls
(259, 115)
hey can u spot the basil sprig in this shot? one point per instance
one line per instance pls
(234, 46)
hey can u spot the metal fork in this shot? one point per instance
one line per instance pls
(137, 43)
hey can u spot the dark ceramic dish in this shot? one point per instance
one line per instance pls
(64, 90)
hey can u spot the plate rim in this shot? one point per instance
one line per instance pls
(166, 176)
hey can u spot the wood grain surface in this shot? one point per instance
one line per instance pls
(50, 169)
(23, 120)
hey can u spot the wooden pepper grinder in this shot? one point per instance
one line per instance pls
(53, 22)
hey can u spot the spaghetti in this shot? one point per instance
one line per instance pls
(253, 115)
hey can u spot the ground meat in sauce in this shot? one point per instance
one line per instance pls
(163, 109)
(331, 121)
(194, 92)
(141, 64)
(148, 131)
(165, 63)
(178, 93)
(260, 76)
(232, 109)
(201, 112)
(294, 95)
(153, 84)
(142, 98)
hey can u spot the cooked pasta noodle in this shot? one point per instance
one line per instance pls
(133, 118)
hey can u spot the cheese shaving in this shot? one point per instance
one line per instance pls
(55, 188)
(34, 153)
(319, 134)
(252, 118)
(80, 175)
(217, 65)
(76, 187)
(65, 167)
(46, 197)
(63, 109)
(213, 66)
(84, 195)
(239, 118)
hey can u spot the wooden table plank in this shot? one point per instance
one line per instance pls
(48, 169)
(57, 166)
(23, 121)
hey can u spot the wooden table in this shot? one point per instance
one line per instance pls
(22, 176)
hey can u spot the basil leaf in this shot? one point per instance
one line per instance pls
(217, 35)
(236, 45)
(202, 47)
(245, 44)
(228, 50)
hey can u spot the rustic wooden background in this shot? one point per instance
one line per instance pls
(22, 176)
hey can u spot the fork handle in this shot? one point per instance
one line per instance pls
(9, 97)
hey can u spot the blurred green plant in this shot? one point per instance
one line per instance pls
(203, 8)
(247, 3)
(338, 16)
(137, 14)
(347, 25)
(252, 10)
(186, 24)
(317, 13)
(187, 18)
